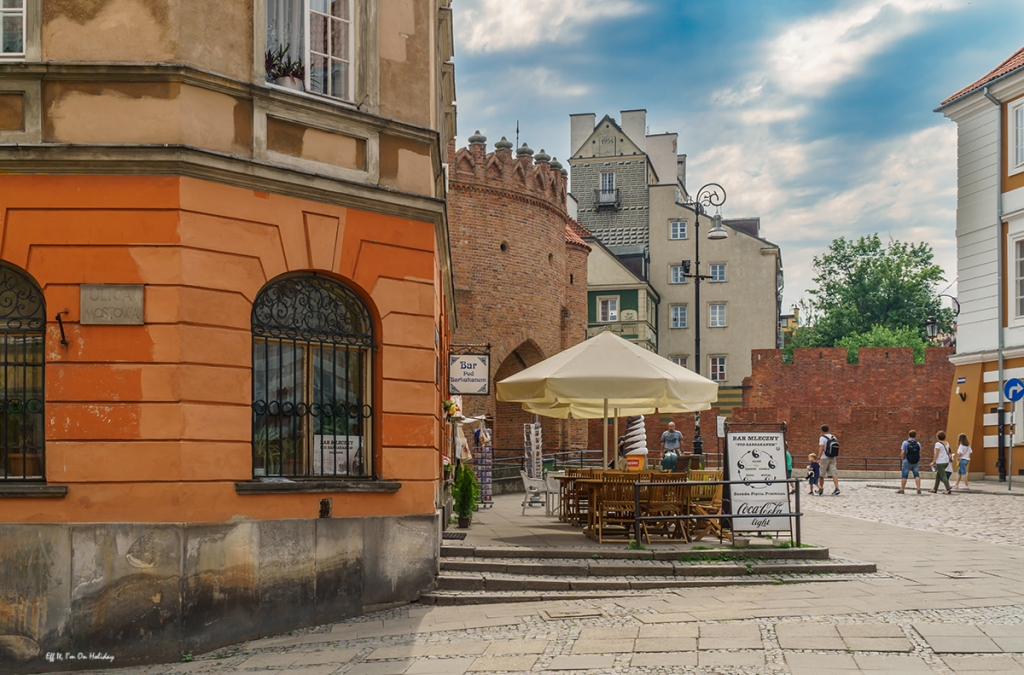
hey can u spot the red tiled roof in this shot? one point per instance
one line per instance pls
(1009, 65)
(580, 231)
(572, 236)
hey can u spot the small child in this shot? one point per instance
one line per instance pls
(813, 472)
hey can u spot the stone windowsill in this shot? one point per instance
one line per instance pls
(256, 487)
(10, 489)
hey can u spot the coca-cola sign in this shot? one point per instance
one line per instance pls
(757, 459)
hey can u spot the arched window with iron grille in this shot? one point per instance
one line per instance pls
(22, 332)
(311, 366)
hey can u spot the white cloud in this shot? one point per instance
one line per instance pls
(503, 25)
(905, 185)
(816, 54)
(544, 83)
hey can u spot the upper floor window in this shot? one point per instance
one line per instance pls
(318, 35)
(677, 230)
(678, 275)
(718, 272)
(1020, 278)
(679, 361)
(311, 379)
(678, 318)
(12, 28)
(718, 369)
(716, 318)
(607, 181)
(608, 309)
(22, 332)
(1017, 115)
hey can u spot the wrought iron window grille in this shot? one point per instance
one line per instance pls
(23, 334)
(312, 362)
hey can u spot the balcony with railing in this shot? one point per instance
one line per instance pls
(640, 332)
(607, 199)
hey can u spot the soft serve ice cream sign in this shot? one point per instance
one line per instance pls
(756, 458)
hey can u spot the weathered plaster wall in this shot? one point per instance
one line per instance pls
(214, 36)
(163, 409)
(407, 85)
(145, 592)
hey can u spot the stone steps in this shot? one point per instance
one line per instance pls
(605, 553)
(486, 574)
(464, 568)
(585, 589)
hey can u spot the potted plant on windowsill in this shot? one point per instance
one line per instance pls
(283, 71)
(465, 493)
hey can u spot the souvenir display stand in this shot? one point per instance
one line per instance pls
(483, 463)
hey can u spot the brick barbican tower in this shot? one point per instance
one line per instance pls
(520, 268)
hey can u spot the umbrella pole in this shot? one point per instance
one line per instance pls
(615, 435)
(604, 439)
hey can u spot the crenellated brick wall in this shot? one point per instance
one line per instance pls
(520, 268)
(869, 405)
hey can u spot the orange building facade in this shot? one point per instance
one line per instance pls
(223, 303)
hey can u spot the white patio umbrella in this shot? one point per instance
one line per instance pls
(607, 372)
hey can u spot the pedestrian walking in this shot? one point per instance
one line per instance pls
(829, 446)
(963, 460)
(813, 472)
(911, 461)
(939, 463)
(789, 467)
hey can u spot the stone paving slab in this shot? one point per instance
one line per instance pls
(581, 662)
(990, 664)
(671, 659)
(502, 663)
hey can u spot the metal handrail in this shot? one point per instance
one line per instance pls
(636, 495)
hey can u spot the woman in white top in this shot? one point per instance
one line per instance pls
(940, 462)
(963, 456)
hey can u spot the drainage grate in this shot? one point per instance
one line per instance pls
(453, 535)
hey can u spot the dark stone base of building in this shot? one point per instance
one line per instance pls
(150, 592)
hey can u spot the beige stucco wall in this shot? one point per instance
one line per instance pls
(749, 292)
(215, 36)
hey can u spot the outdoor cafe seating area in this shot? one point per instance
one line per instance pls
(676, 507)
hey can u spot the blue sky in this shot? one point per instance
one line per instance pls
(816, 115)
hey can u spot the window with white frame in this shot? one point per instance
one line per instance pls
(716, 316)
(607, 181)
(680, 361)
(1020, 277)
(318, 35)
(677, 229)
(1017, 154)
(678, 316)
(718, 369)
(678, 276)
(608, 309)
(718, 272)
(12, 28)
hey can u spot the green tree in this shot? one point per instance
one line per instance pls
(864, 283)
(882, 336)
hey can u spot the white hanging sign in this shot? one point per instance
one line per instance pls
(469, 374)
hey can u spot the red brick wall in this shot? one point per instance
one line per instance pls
(870, 406)
(519, 300)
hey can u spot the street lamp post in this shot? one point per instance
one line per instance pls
(711, 194)
(931, 324)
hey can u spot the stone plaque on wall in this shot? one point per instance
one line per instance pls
(112, 304)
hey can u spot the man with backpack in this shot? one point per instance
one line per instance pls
(829, 446)
(911, 461)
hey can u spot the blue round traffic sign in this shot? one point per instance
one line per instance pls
(1014, 389)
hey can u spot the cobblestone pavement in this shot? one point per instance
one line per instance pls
(985, 513)
(942, 603)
